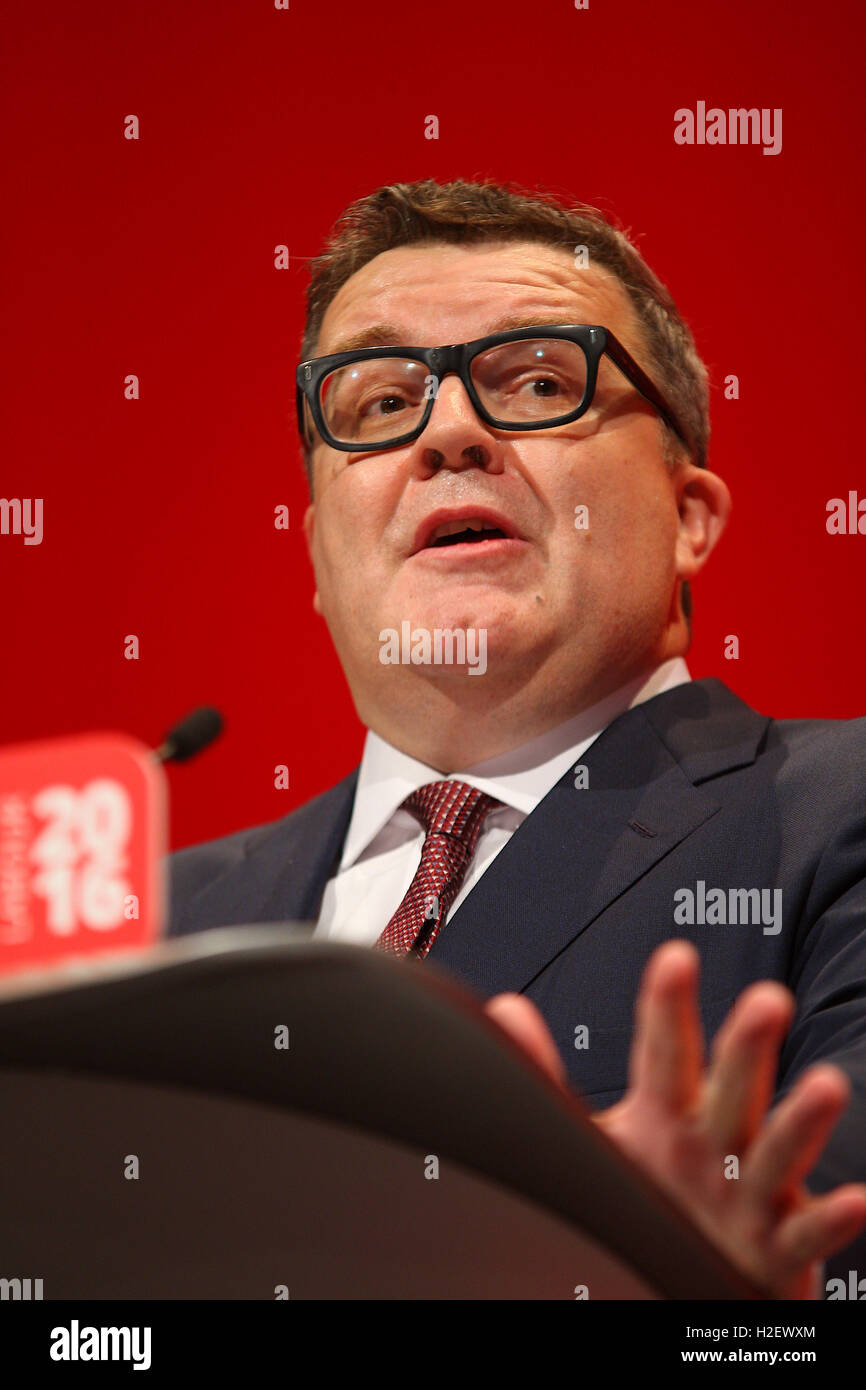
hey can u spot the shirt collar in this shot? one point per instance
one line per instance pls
(518, 778)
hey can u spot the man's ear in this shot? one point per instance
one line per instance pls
(309, 532)
(704, 505)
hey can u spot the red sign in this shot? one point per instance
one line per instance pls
(82, 843)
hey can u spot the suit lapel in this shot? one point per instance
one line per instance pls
(285, 865)
(315, 844)
(581, 849)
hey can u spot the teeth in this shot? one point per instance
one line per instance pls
(451, 528)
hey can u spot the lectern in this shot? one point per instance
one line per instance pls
(248, 1114)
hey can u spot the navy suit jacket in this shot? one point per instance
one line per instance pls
(692, 786)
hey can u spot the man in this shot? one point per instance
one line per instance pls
(503, 537)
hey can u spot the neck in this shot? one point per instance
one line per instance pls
(452, 724)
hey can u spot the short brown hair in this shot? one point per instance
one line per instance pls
(466, 213)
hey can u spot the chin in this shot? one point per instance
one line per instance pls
(503, 615)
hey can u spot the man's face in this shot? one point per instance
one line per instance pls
(572, 607)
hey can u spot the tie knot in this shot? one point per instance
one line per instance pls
(451, 808)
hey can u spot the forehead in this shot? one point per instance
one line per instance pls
(436, 294)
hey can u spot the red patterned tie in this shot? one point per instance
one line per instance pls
(452, 814)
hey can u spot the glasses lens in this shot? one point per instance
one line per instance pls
(375, 400)
(533, 381)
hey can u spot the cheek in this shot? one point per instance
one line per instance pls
(641, 504)
(604, 534)
(350, 540)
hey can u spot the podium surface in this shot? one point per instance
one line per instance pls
(246, 1110)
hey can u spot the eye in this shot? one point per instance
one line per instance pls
(390, 405)
(545, 386)
(382, 400)
(540, 387)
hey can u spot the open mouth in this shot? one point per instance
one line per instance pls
(486, 530)
(464, 533)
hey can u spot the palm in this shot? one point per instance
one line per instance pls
(685, 1162)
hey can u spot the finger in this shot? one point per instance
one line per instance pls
(519, 1017)
(796, 1132)
(668, 1050)
(742, 1074)
(826, 1225)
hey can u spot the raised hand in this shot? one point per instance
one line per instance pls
(704, 1133)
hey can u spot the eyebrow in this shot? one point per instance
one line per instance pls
(388, 335)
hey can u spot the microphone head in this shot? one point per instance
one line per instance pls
(192, 734)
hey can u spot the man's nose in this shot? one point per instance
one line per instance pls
(455, 436)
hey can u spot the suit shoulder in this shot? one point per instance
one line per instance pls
(823, 761)
(204, 861)
(822, 738)
(710, 730)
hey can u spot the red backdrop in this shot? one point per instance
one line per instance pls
(258, 125)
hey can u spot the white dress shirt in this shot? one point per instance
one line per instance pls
(383, 843)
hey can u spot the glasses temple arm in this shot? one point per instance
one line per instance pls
(623, 360)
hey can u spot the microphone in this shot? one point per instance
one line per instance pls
(199, 728)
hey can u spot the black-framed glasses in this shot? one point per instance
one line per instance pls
(525, 379)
